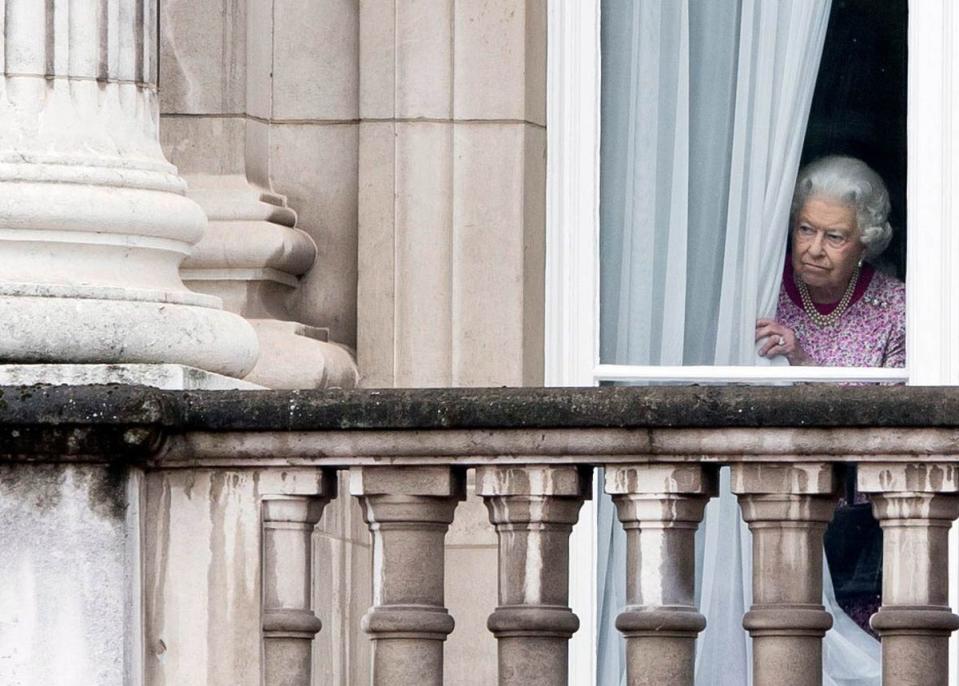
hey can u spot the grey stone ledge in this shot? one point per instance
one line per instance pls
(133, 421)
(813, 406)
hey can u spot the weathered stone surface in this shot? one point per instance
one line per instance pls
(660, 507)
(289, 622)
(342, 566)
(787, 508)
(166, 376)
(730, 407)
(533, 509)
(207, 516)
(112, 424)
(916, 505)
(408, 512)
(427, 409)
(202, 557)
(69, 601)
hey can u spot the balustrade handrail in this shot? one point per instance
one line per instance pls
(477, 408)
(480, 426)
(407, 452)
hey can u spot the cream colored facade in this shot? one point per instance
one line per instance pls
(409, 140)
(319, 194)
(354, 193)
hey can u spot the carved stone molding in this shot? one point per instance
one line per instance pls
(252, 256)
(93, 221)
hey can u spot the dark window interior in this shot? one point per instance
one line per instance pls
(859, 106)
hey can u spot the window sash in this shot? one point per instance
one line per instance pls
(747, 374)
(572, 269)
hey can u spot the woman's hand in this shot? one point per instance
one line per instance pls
(781, 341)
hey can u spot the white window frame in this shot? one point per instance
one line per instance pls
(572, 257)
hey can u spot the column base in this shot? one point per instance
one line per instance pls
(171, 377)
(294, 355)
(120, 329)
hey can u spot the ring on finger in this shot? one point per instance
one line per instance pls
(782, 341)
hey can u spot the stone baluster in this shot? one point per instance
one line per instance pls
(408, 510)
(915, 504)
(93, 220)
(533, 510)
(660, 506)
(289, 624)
(787, 507)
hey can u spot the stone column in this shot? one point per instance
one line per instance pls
(787, 507)
(915, 504)
(533, 510)
(408, 510)
(289, 623)
(93, 220)
(660, 506)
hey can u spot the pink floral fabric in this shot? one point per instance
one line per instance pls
(870, 333)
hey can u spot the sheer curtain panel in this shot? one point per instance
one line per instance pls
(704, 108)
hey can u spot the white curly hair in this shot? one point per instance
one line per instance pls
(854, 183)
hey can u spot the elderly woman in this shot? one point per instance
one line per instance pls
(836, 309)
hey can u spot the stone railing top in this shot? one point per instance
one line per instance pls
(808, 406)
(128, 423)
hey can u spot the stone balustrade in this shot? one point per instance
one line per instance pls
(271, 457)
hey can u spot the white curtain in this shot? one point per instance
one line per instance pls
(705, 105)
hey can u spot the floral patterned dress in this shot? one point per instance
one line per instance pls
(870, 333)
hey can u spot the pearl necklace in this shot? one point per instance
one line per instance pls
(826, 320)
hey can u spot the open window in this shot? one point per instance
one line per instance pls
(929, 85)
(704, 107)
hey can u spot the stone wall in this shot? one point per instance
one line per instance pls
(409, 138)
(70, 611)
(452, 192)
(269, 89)
(452, 233)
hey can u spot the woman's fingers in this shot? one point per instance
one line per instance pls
(780, 339)
(771, 343)
(762, 331)
(768, 330)
(775, 343)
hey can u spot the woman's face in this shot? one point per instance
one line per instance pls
(825, 245)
